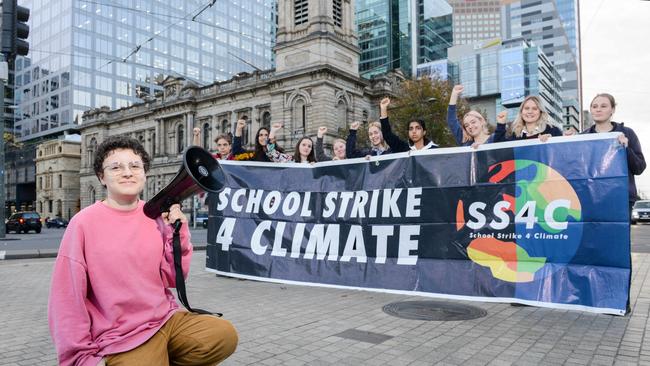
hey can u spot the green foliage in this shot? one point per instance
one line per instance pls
(414, 101)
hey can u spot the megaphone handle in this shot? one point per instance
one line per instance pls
(178, 267)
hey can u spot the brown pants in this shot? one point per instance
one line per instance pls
(185, 339)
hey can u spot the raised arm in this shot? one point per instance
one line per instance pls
(236, 141)
(452, 117)
(351, 142)
(318, 149)
(396, 144)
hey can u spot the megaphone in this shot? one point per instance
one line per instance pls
(200, 173)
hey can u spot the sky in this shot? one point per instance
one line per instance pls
(615, 36)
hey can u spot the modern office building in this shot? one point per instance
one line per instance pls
(498, 75)
(475, 20)
(550, 25)
(401, 34)
(86, 54)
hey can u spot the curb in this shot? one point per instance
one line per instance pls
(48, 253)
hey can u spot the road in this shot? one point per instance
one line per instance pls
(50, 239)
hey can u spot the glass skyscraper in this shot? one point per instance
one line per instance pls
(401, 34)
(86, 54)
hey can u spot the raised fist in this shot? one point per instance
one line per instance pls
(458, 89)
(322, 130)
(355, 125)
(502, 117)
(384, 103)
(241, 124)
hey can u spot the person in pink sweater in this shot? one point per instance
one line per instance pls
(110, 301)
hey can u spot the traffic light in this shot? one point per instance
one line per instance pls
(14, 29)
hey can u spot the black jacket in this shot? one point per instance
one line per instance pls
(635, 160)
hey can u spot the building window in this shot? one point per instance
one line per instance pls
(92, 148)
(180, 138)
(337, 12)
(299, 116)
(49, 206)
(59, 208)
(40, 182)
(225, 126)
(266, 120)
(206, 136)
(153, 143)
(301, 11)
(60, 181)
(91, 194)
(342, 115)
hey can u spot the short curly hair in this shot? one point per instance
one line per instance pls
(118, 142)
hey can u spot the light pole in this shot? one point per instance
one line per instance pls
(4, 75)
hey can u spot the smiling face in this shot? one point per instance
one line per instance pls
(601, 109)
(474, 124)
(304, 148)
(530, 111)
(123, 175)
(339, 149)
(416, 132)
(375, 136)
(223, 147)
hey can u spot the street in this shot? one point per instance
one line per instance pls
(51, 238)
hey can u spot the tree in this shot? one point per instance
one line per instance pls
(415, 101)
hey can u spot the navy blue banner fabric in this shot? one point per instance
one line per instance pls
(538, 223)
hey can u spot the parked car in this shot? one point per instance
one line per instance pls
(23, 222)
(202, 219)
(641, 211)
(56, 222)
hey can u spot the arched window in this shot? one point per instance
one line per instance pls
(266, 119)
(153, 143)
(299, 115)
(40, 207)
(91, 194)
(225, 126)
(341, 114)
(92, 149)
(59, 208)
(180, 138)
(206, 136)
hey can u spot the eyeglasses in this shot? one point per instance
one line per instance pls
(136, 167)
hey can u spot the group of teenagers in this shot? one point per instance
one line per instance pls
(532, 122)
(110, 301)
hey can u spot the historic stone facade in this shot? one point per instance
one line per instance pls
(57, 177)
(316, 83)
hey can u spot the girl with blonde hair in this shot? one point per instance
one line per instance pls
(531, 122)
(377, 142)
(473, 131)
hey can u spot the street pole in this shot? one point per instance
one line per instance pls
(4, 75)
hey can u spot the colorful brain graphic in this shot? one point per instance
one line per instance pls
(538, 183)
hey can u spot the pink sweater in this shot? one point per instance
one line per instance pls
(110, 282)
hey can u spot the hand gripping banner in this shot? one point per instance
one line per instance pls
(543, 224)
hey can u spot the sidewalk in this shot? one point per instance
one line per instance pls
(299, 325)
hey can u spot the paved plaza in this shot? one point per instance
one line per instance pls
(299, 325)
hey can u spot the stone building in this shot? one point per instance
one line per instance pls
(57, 177)
(315, 83)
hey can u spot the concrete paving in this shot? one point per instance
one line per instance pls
(300, 325)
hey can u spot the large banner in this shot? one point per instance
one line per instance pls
(542, 224)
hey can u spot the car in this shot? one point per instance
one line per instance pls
(23, 222)
(641, 211)
(202, 219)
(56, 222)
